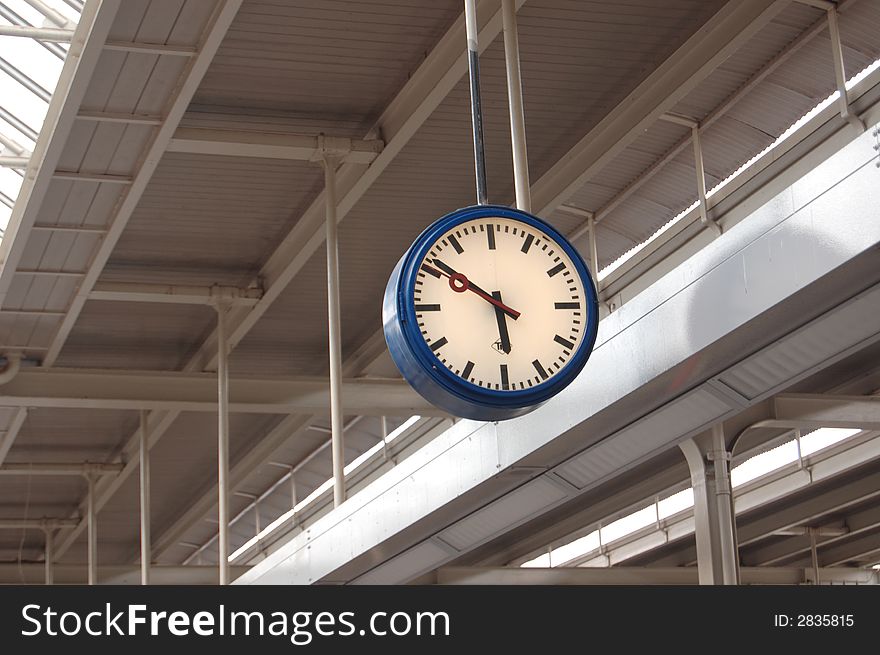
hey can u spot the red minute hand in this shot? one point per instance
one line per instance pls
(459, 283)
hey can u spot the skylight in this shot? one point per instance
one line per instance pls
(752, 468)
(29, 72)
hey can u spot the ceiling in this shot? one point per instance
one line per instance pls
(113, 201)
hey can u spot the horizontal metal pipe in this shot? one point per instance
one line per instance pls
(40, 33)
(59, 469)
(37, 524)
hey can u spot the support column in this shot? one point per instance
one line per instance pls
(594, 252)
(814, 554)
(383, 430)
(337, 444)
(839, 72)
(145, 500)
(515, 103)
(50, 555)
(92, 532)
(715, 530)
(223, 444)
(701, 179)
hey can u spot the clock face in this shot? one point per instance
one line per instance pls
(500, 304)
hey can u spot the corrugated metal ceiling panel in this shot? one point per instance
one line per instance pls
(144, 336)
(334, 58)
(212, 220)
(75, 435)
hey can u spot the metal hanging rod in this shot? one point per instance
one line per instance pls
(470, 16)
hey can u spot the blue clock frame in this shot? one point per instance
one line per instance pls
(421, 368)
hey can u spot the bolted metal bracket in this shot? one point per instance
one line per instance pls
(331, 149)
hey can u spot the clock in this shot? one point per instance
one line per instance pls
(490, 313)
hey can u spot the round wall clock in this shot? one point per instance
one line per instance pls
(490, 313)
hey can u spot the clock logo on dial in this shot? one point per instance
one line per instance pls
(490, 313)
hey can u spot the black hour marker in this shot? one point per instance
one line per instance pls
(468, 369)
(560, 340)
(428, 308)
(567, 305)
(490, 236)
(439, 344)
(528, 243)
(456, 244)
(505, 382)
(432, 271)
(540, 369)
(553, 271)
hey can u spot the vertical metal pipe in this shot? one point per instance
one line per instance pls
(724, 507)
(814, 554)
(334, 331)
(145, 500)
(293, 498)
(223, 444)
(701, 180)
(837, 58)
(839, 70)
(383, 424)
(701, 174)
(470, 19)
(594, 253)
(515, 102)
(92, 532)
(50, 555)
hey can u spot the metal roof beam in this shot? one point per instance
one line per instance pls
(37, 524)
(33, 573)
(701, 54)
(235, 143)
(289, 428)
(437, 75)
(14, 161)
(865, 547)
(173, 294)
(812, 411)
(117, 117)
(197, 392)
(52, 34)
(151, 48)
(638, 575)
(98, 178)
(780, 552)
(824, 5)
(43, 468)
